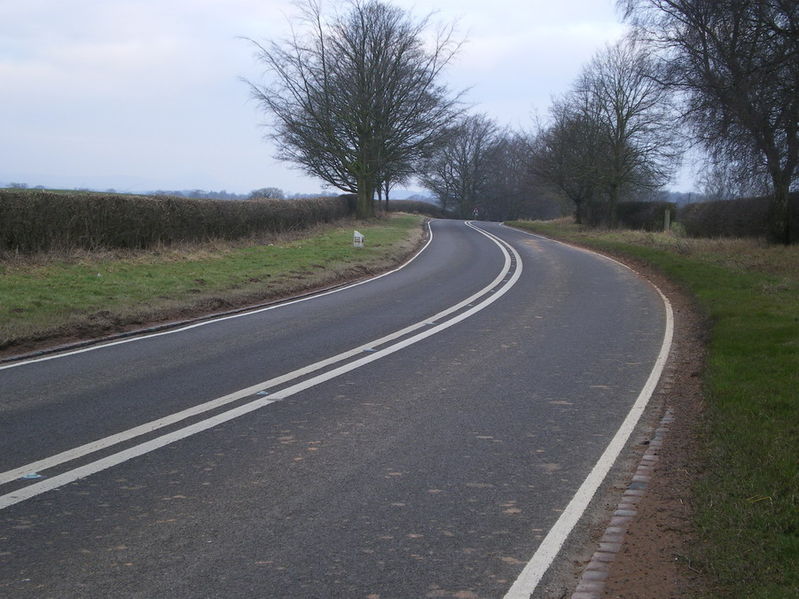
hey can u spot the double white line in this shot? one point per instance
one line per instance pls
(270, 391)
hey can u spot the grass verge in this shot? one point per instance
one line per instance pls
(54, 298)
(748, 500)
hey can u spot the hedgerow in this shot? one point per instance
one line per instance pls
(747, 217)
(38, 221)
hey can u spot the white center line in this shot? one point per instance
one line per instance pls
(148, 427)
(148, 446)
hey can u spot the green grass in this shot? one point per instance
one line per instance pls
(92, 293)
(748, 502)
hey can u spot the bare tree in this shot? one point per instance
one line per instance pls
(458, 171)
(509, 189)
(611, 137)
(393, 174)
(632, 110)
(356, 96)
(568, 155)
(725, 180)
(736, 63)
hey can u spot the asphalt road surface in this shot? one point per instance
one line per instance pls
(418, 435)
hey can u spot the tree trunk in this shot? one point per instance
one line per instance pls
(578, 212)
(613, 200)
(780, 215)
(380, 198)
(365, 207)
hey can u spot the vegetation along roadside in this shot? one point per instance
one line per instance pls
(51, 298)
(747, 501)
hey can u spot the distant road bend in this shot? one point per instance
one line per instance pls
(434, 432)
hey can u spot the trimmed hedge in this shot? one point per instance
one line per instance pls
(646, 216)
(37, 221)
(746, 217)
(409, 206)
(415, 207)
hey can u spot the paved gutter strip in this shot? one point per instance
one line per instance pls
(592, 582)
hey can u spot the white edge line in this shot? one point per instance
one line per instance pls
(533, 572)
(222, 318)
(112, 460)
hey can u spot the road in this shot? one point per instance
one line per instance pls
(417, 435)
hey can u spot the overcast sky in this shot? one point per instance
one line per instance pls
(147, 94)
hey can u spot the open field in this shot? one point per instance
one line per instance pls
(56, 297)
(747, 504)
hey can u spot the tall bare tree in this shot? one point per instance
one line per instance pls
(393, 174)
(736, 63)
(569, 155)
(354, 96)
(632, 110)
(510, 191)
(458, 171)
(611, 136)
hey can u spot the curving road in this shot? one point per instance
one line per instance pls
(418, 435)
